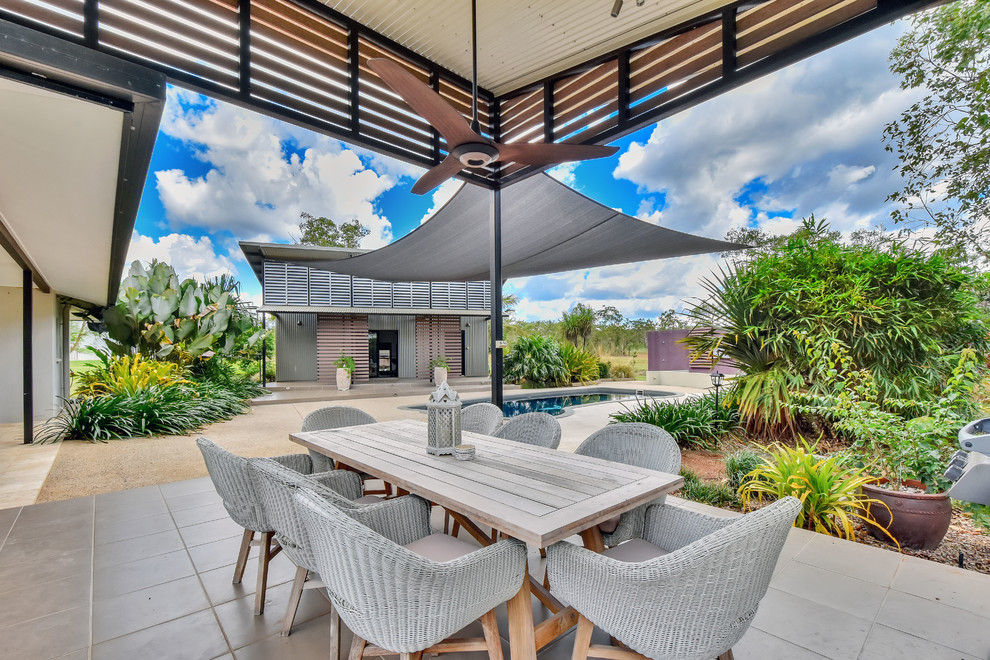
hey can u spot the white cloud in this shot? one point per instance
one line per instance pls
(565, 173)
(442, 195)
(189, 256)
(263, 173)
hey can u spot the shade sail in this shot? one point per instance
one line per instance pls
(547, 227)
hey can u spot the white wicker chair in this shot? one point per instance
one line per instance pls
(482, 418)
(235, 483)
(687, 591)
(275, 485)
(642, 445)
(335, 417)
(536, 428)
(398, 599)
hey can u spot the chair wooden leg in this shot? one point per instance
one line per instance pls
(297, 588)
(334, 634)
(726, 656)
(456, 527)
(357, 648)
(411, 656)
(492, 639)
(242, 555)
(582, 640)
(264, 557)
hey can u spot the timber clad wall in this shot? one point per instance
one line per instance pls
(337, 334)
(438, 335)
(406, 327)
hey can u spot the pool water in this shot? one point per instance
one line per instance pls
(555, 404)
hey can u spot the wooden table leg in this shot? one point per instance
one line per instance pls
(522, 635)
(593, 540)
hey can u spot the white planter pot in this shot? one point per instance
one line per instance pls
(439, 375)
(343, 380)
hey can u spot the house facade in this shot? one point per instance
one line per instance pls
(391, 329)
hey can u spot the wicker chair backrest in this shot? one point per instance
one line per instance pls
(332, 417)
(232, 477)
(482, 418)
(634, 443)
(536, 428)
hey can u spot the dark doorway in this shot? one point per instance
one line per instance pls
(383, 353)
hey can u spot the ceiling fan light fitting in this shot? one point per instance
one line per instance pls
(475, 154)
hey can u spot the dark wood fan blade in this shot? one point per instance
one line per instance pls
(426, 102)
(437, 175)
(543, 153)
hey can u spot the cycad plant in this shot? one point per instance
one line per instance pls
(535, 359)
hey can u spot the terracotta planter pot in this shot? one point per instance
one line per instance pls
(920, 520)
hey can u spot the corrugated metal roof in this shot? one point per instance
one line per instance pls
(519, 41)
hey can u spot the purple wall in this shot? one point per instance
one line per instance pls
(666, 354)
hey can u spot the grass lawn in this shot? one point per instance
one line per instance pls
(638, 363)
(82, 366)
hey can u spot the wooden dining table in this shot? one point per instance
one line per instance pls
(538, 495)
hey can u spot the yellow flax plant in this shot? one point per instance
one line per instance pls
(829, 488)
(129, 374)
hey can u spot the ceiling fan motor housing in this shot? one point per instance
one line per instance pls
(475, 154)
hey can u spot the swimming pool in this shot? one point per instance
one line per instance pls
(557, 404)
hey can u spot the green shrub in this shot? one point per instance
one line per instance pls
(829, 488)
(740, 463)
(151, 411)
(604, 370)
(622, 371)
(127, 374)
(695, 423)
(535, 359)
(712, 493)
(580, 366)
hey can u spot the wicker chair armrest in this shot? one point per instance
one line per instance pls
(631, 524)
(673, 527)
(402, 520)
(346, 483)
(301, 463)
(480, 580)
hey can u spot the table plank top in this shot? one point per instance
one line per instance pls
(535, 494)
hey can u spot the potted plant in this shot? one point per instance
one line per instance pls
(909, 451)
(438, 367)
(345, 371)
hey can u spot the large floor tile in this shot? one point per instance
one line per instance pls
(141, 547)
(242, 627)
(816, 627)
(308, 640)
(208, 532)
(132, 576)
(7, 518)
(857, 597)
(212, 555)
(115, 530)
(189, 500)
(941, 624)
(886, 643)
(48, 636)
(949, 585)
(127, 613)
(850, 558)
(193, 637)
(147, 503)
(219, 581)
(758, 645)
(43, 599)
(24, 565)
(179, 488)
(199, 514)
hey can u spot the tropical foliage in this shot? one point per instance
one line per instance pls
(830, 489)
(157, 315)
(902, 314)
(579, 366)
(579, 323)
(127, 375)
(535, 359)
(695, 423)
(712, 493)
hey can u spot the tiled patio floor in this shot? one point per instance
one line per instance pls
(146, 574)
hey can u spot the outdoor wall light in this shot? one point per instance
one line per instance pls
(717, 379)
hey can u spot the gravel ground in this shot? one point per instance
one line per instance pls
(963, 537)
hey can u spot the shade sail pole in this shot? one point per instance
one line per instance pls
(495, 278)
(27, 361)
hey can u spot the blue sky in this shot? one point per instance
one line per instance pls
(804, 140)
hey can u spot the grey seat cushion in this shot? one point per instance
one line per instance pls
(609, 525)
(635, 550)
(440, 547)
(368, 499)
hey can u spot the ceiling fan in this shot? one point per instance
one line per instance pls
(466, 146)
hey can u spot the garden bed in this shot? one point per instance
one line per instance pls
(963, 537)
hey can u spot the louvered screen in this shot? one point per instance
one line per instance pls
(439, 295)
(381, 294)
(362, 292)
(586, 101)
(340, 290)
(275, 290)
(521, 121)
(476, 298)
(319, 288)
(297, 287)
(436, 336)
(62, 15)
(200, 39)
(402, 295)
(299, 61)
(458, 295)
(341, 334)
(421, 295)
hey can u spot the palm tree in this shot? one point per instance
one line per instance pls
(580, 322)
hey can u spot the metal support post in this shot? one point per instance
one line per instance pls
(27, 361)
(495, 276)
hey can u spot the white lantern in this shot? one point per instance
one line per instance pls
(443, 412)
